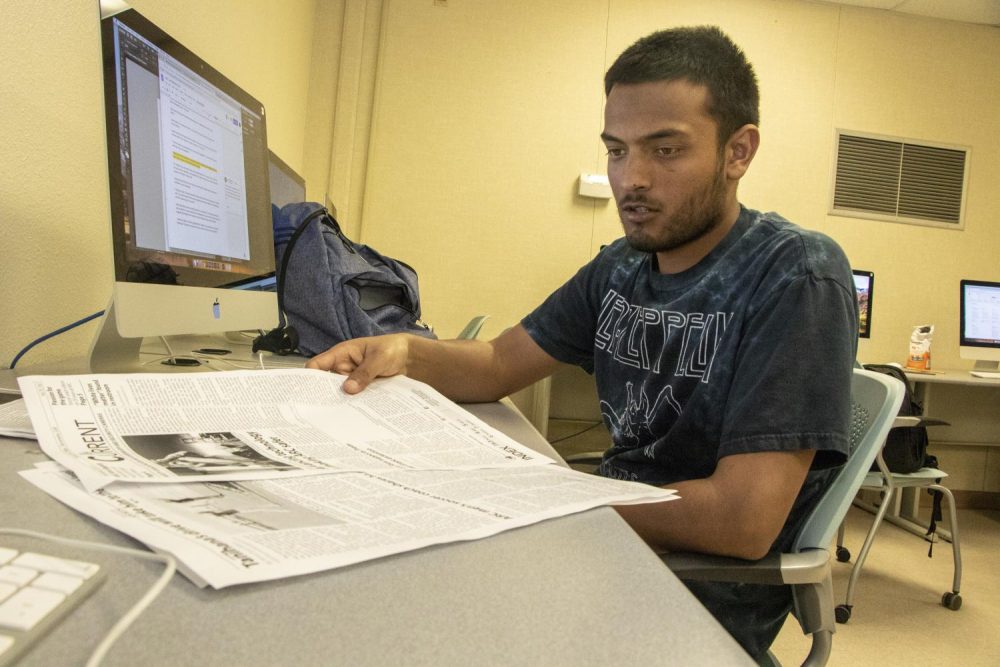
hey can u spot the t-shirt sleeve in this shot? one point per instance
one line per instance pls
(791, 385)
(563, 325)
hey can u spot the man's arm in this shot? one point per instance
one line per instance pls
(468, 371)
(737, 511)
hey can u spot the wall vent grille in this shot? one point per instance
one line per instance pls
(899, 180)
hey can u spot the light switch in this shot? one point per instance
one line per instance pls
(594, 185)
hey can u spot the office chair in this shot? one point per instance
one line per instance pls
(887, 483)
(806, 567)
(471, 330)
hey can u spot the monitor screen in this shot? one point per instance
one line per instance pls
(287, 187)
(979, 322)
(864, 284)
(190, 199)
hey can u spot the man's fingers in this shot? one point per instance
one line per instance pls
(363, 360)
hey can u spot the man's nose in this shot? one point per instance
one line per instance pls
(636, 174)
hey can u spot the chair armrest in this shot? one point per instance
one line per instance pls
(805, 567)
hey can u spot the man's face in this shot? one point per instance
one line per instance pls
(664, 165)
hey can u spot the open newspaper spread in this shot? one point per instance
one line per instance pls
(150, 427)
(226, 533)
(248, 476)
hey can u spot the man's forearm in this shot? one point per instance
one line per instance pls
(738, 511)
(462, 370)
(474, 371)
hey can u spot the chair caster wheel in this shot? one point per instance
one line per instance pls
(952, 601)
(842, 613)
(843, 555)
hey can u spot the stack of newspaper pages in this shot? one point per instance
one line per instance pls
(247, 476)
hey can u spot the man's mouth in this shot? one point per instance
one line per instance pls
(636, 211)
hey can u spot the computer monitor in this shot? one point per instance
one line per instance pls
(864, 285)
(979, 323)
(190, 204)
(287, 187)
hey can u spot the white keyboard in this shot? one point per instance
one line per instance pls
(993, 375)
(36, 591)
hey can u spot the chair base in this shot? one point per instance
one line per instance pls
(950, 600)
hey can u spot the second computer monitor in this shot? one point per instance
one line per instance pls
(287, 187)
(864, 283)
(979, 323)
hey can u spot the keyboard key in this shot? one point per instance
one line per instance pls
(6, 590)
(27, 607)
(6, 554)
(19, 576)
(6, 642)
(53, 564)
(60, 583)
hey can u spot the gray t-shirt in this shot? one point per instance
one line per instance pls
(750, 350)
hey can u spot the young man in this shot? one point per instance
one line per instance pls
(721, 339)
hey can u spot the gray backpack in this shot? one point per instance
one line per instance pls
(331, 289)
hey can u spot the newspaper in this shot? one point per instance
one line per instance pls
(239, 425)
(226, 533)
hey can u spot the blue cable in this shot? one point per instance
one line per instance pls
(53, 333)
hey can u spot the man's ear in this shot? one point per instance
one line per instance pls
(740, 149)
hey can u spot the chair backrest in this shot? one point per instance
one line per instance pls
(875, 401)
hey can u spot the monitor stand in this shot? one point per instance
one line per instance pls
(983, 365)
(110, 352)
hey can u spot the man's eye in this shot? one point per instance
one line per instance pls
(667, 151)
(616, 152)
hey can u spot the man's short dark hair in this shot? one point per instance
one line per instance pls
(702, 55)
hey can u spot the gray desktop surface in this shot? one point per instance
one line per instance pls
(578, 590)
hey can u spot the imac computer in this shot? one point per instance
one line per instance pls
(864, 284)
(190, 199)
(979, 325)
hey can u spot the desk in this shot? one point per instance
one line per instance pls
(548, 594)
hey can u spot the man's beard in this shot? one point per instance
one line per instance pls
(695, 217)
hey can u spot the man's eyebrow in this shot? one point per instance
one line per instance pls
(662, 134)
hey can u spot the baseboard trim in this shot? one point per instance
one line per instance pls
(977, 500)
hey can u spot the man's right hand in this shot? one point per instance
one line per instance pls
(364, 359)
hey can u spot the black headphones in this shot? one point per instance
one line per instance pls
(284, 339)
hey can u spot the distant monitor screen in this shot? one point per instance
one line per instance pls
(188, 162)
(864, 284)
(980, 314)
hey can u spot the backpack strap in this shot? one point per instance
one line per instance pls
(284, 339)
(931, 535)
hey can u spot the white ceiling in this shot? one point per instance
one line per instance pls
(986, 12)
